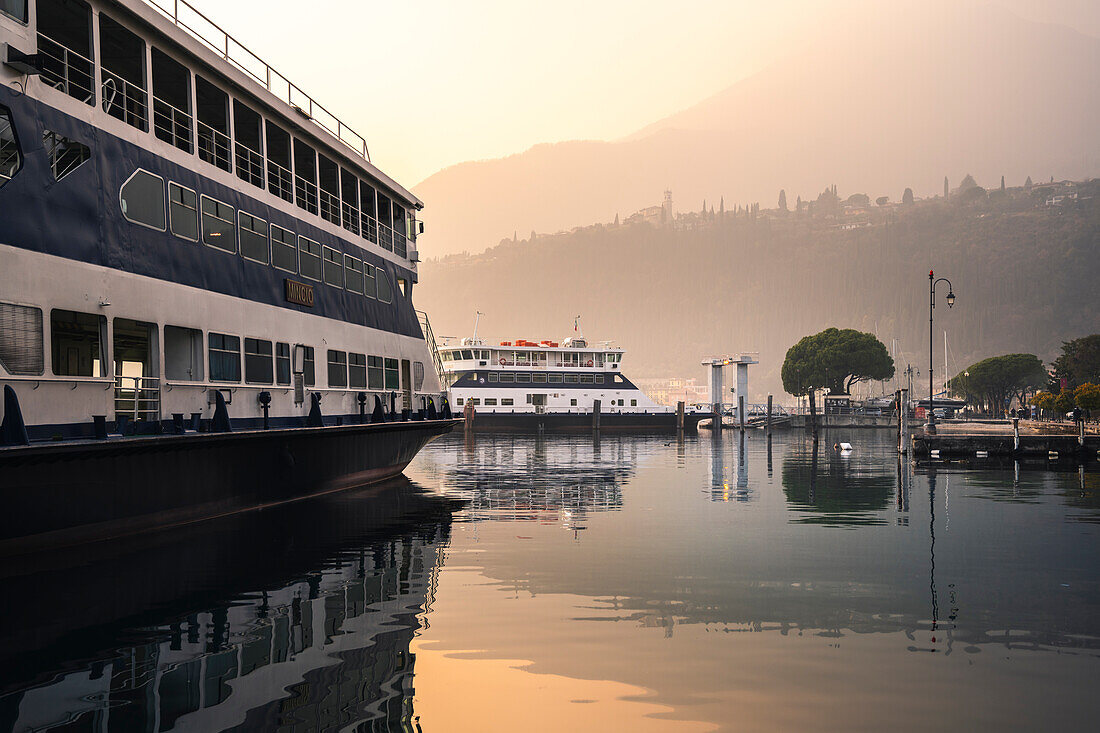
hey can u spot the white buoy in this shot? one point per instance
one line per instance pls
(846, 447)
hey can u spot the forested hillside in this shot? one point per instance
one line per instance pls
(1025, 267)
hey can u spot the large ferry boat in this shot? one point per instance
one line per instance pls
(206, 285)
(550, 385)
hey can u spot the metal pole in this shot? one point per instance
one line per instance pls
(741, 411)
(769, 423)
(930, 428)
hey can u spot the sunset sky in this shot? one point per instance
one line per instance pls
(436, 82)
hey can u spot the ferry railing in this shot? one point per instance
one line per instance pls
(66, 70)
(385, 237)
(330, 207)
(305, 194)
(280, 181)
(138, 397)
(350, 217)
(171, 124)
(250, 165)
(399, 246)
(213, 146)
(369, 228)
(429, 338)
(124, 100)
(201, 28)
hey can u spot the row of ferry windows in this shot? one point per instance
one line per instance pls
(538, 378)
(506, 401)
(192, 216)
(78, 348)
(567, 358)
(225, 133)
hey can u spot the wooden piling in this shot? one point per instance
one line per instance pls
(680, 415)
(596, 415)
(1016, 434)
(768, 425)
(741, 411)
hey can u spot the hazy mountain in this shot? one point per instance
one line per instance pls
(1025, 272)
(875, 102)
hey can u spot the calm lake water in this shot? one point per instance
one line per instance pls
(563, 583)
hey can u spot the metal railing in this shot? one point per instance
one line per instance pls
(124, 100)
(172, 124)
(399, 246)
(305, 194)
(280, 181)
(137, 398)
(369, 227)
(250, 165)
(330, 207)
(350, 217)
(65, 155)
(66, 70)
(437, 360)
(213, 146)
(210, 34)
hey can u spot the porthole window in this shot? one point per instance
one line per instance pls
(142, 198)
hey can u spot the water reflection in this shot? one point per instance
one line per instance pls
(825, 486)
(252, 622)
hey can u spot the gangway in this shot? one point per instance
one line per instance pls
(429, 338)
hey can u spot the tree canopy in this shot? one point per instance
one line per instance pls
(994, 381)
(835, 359)
(1079, 362)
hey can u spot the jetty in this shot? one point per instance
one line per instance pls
(1007, 439)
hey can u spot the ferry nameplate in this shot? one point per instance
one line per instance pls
(300, 293)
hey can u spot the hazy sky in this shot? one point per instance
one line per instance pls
(431, 83)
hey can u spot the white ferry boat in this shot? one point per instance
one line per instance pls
(550, 385)
(206, 285)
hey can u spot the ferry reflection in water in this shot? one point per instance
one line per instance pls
(298, 617)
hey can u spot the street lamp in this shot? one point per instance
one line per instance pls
(930, 426)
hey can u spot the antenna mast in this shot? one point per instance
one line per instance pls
(477, 319)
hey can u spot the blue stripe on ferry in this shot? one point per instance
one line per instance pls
(80, 218)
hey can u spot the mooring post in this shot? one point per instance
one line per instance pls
(1016, 434)
(680, 415)
(903, 421)
(768, 427)
(741, 411)
(1081, 434)
(596, 415)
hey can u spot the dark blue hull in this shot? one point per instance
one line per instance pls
(58, 494)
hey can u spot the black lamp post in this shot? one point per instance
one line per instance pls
(930, 426)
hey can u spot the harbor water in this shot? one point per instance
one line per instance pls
(635, 583)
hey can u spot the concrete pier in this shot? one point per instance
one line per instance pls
(1011, 445)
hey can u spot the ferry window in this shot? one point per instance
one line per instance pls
(76, 343)
(392, 379)
(15, 9)
(122, 66)
(349, 200)
(337, 368)
(382, 278)
(65, 47)
(309, 258)
(618, 379)
(253, 233)
(570, 378)
(506, 401)
(375, 373)
(225, 358)
(587, 379)
(538, 378)
(357, 371)
(493, 377)
(328, 174)
(305, 176)
(248, 132)
(634, 403)
(142, 198)
(334, 270)
(282, 363)
(599, 379)
(183, 211)
(418, 376)
(403, 286)
(524, 378)
(507, 377)
(399, 231)
(308, 372)
(458, 402)
(279, 179)
(467, 354)
(257, 361)
(445, 355)
(182, 354)
(217, 224)
(572, 403)
(21, 339)
(65, 155)
(490, 401)
(353, 274)
(554, 378)
(367, 218)
(284, 254)
(11, 159)
(475, 401)
(370, 286)
(171, 101)
(212, 130)
(385, 234)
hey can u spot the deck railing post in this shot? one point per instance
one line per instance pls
(1016, 434)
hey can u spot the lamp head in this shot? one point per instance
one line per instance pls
(950, 298)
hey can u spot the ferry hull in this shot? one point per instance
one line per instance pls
(62, 494)
(582, 422)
